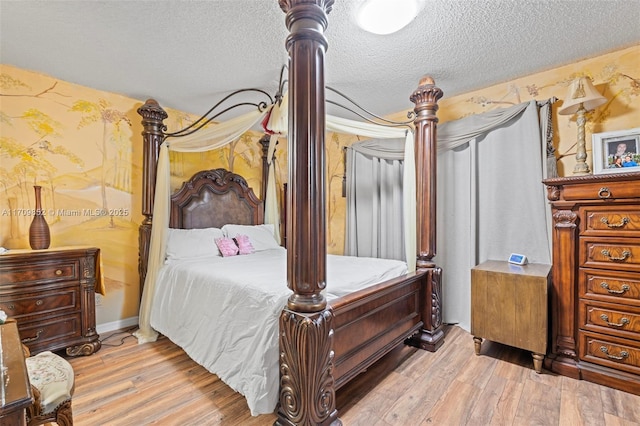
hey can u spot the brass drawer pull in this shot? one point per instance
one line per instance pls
(32, 339)
(58, 272)
(604, 193)
(39, 302)
(623, 354)
(622, 223)
(625, 255)
(624, 321)
(625, 288)
(11, 307)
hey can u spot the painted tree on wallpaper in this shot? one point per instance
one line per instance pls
(335, 172)
(26, 163)
(114, 172)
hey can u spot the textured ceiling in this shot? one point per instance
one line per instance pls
(187, 54)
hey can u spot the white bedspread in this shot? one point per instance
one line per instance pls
(224, 312)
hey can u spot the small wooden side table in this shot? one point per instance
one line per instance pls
(15, 387)
(509, 305)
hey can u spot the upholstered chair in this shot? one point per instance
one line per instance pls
(52, 384)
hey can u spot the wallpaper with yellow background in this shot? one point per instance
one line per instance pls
(83, 146)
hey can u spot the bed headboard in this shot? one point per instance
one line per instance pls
(213, 198)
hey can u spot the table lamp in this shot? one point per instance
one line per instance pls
(582, 97)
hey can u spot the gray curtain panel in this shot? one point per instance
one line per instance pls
(491, 200)
(374, 225)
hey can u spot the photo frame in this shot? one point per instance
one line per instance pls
(616, 152)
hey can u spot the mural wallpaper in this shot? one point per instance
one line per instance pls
(83, 146)
(616, 76)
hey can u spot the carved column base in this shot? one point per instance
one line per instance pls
(307, 393)
(426, 340)
(431, 336)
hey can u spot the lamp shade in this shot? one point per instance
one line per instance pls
(581, 91)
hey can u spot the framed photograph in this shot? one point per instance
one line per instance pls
(616, 152)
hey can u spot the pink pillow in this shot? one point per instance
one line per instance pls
(227, 246)
(244, 245)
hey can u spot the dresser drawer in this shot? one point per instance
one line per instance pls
(37, 272)
(614, 221)
(616, 320)
(604, 191)
(610, 351)
(27, 304)
(50, 334)
(621, 254)
(610, 286)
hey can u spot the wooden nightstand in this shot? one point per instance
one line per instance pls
(509, 305)
(50, 293)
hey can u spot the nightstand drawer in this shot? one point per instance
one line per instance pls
(612, 352)
(616, 320)
(23, 305)
(610, 286)
(35, 272)
(52, 334)
(618, 254)
(622, 221)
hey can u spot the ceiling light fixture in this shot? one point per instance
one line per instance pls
(386, 16)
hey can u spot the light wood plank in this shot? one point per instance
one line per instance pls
(157, 383)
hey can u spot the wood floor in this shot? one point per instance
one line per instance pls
(157, 383)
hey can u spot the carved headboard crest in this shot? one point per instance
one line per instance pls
(213, 198)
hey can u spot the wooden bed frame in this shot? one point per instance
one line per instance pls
(321, 346)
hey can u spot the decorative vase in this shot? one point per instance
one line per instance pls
(39, 236)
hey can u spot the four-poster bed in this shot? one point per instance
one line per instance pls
(324, 339)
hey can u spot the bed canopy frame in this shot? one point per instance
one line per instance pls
(315, 360)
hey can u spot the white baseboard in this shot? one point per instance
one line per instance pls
(116, 325)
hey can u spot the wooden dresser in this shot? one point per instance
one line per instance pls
(50, 293)
(595, 323)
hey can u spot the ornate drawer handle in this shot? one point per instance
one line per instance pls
(623, 354)
(622, 223)
(624, 321)
(39, 302)
(58, 271)
(604, 193)
(625, 255)
(32, 339)
(625, 288)
(11, 307)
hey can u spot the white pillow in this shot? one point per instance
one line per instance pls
(261, 236)
(192, 243)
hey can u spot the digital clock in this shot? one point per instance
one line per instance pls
(518, 259)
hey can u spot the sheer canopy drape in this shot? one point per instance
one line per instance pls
(491, 200)
(378, 131)
(213, 137)
(217, 136)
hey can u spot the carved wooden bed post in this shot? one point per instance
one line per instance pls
(264, 142)
(426, 98)
(152, 137)
(307, 391)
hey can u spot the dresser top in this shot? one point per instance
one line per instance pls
(46, 252)
(599, 178)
